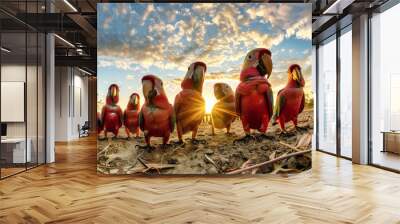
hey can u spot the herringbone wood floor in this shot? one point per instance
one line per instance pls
(70, 191)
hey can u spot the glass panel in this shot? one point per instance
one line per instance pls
(31, 98)
(23, 87)
(314, 89)
(13, 77)
(385, 84)
(327, 96)
(346, 94)
(41, 99)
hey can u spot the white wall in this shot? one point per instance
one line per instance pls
(61, 103)
(71, 102)
(80, 110)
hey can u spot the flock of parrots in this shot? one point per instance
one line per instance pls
(252, 102)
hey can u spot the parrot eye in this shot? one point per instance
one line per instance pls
(249, 57)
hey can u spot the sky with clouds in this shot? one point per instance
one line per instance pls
(135, 39)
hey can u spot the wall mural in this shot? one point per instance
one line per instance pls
(204, 88)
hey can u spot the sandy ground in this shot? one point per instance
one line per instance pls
(216, 154)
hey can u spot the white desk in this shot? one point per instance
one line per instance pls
(18, 150)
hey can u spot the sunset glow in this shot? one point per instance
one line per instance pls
(209, 104)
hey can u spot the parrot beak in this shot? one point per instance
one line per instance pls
(265, 65)
(295, 74)
(114, 92)
(147, 87)
(268, 63)
(153, 93)
(134, 99)
(298, 76)
(199, 72)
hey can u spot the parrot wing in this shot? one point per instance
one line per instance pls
(237, 103)
(269, 96)
(124, 116)
(121, 116)
(141, 121)
(172, 121)
(302, 104)
(103, 114)
(177, 103)
(280, 103)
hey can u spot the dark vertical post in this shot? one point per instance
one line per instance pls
(45, 89)
(60, 87)
(73, 90)
(1, 165)
(316, 100)
(37, 88)
(369, 95)
(338, 74)
(69, 93)
(26, 86)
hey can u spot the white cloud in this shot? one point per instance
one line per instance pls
(107, 21)
(203, 7)
(171, 17)
(226, 19)
(123, 64)
(129, 77)
(120, 63)
(147, 12)
(301, 29)
(278, 15)
(104, 63)
(122, 8)
(104, 7)
(169, 28)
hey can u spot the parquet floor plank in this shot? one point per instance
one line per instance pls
(70, 191)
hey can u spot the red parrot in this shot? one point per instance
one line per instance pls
(223, 112)
(156, 118)
(100, 125)
(290, 100)
(189, 104)
(111, 113)
(254, 98)
(131, 115)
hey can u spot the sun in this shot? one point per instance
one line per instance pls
(209, 104)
